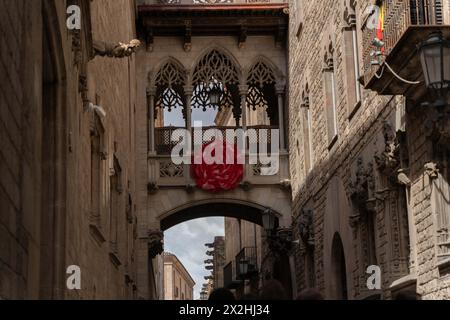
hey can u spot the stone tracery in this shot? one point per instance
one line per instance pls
(261, 82)
(217, 72)
(169, 87)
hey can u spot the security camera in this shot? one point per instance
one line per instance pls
(378, 43)
(98, 110)
(377, 53)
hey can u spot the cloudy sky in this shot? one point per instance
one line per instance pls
(187, 242)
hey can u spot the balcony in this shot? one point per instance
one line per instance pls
(229, 275)
(406, 25)
(246, 263)
(165, 174)
(163, 135)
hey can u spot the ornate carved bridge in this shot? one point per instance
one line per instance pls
(225, 60)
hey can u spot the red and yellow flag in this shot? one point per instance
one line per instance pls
(380, 28)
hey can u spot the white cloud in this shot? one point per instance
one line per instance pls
(187, 242)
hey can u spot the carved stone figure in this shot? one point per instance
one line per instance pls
(119, 50)
(388, 161)
(362, 192)
(432, 170)
(402, 178)
(155, 243)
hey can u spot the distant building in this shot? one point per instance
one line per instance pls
(217, 261)
(178, 283)
(215, 264)
(207, 289)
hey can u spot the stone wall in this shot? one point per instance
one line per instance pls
(330, 188)
(20, 105)
(46, 127)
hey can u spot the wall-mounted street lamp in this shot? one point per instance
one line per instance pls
(435, 58)
(279, 239)
(268, 220)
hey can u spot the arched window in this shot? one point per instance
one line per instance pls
(169, 95)
(215, 81)
(261, 90)
(351, 58)
(169, 84)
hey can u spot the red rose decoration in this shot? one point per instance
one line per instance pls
(216, 177)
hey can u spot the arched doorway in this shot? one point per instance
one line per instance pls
(244, 238)
(339, 274)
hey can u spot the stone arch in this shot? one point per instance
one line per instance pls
(233, 208)
(218, 48)
(280, 78)
(336, 222)
(216, 70)
(168, 202)
(168, 60)
(169, 82)
(262, 80)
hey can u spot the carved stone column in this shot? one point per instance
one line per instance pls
(243, 90)
(280, 94)
(151, 119)
(188, 91)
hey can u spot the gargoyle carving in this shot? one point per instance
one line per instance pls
(388, 161)
(432, 170)
(155, 243)
(117, 50)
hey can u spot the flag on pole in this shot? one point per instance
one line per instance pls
(380, 28)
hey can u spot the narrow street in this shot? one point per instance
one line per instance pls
(227, 150)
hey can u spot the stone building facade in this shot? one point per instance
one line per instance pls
(67, 186)
(369, 184)
(216, 251)
(178, 283)
(243, 237)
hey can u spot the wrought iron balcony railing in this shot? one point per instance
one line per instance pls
(163, 172)
(403, 25)
(164, 143)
